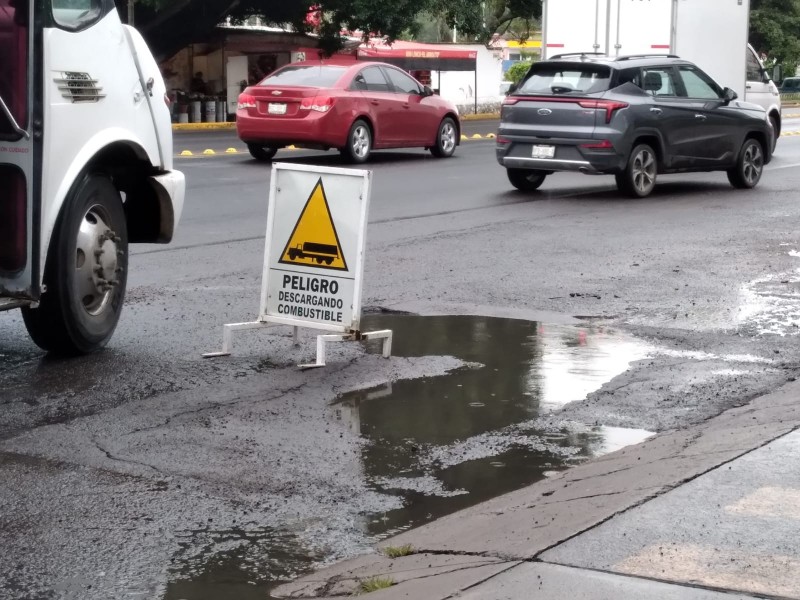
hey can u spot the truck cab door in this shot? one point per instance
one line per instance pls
(759, 88)
(20, 151)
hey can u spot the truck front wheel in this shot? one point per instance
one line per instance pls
(85, 274)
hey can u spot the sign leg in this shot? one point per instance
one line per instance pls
(383, 334)
(227, 336)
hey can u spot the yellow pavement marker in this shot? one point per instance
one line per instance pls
(464, 138)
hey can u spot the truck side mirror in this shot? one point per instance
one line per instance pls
(777, 73)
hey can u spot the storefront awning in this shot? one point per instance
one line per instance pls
(411, 56)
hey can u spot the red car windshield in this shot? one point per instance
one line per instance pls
(318, 76)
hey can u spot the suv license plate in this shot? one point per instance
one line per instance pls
(275, 108)
(544, 151)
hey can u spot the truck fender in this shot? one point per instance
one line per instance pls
(82, 160)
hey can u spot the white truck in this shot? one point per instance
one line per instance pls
(85, 166)
(711, 34)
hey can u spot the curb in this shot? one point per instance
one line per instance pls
(203, 126)
(476, 117)
(464, 138)
(481, 117)
(232, 125)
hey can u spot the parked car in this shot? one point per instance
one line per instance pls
(355, 108)
(633, 117)
(790, 85)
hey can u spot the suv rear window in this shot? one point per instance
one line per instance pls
(554, 78)
(306, 76)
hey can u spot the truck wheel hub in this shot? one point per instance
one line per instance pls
(96, 261)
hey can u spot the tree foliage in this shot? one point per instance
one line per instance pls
(775, 29)
(517, 71)
(169, 25)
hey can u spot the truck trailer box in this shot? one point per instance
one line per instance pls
(713, 35)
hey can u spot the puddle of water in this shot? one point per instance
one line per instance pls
(441, 444)
(236, 564)
(470, 430)
(771, 305)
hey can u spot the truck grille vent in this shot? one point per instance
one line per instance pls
(79, 87)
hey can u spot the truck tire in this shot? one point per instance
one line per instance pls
(359, 143)
(525, 180)
(85, 273)
(749, 166)
(639, 177)
(262, 153)
(446, 139)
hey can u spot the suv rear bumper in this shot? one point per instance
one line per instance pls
(547, 164)
(568, 157)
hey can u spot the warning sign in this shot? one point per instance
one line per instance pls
(314, 256)
(314, 241)
(314, 259)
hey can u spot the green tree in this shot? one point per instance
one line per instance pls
(481, 20)
(775, 29)
(517, 71)
(169, 25)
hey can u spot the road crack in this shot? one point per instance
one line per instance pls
(110, 456)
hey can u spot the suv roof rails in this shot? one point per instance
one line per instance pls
(567, 54)
(635, 56)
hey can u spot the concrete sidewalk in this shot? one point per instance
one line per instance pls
(710, 512)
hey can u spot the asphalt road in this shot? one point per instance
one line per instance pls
(125, 462)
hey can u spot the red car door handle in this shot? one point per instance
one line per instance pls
(374, 102)
(406, 105)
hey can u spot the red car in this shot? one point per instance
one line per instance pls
(355, 108)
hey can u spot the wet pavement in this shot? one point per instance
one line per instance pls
(289, 483)
(148, 470)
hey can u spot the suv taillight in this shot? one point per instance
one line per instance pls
(246, 101)
(318, 103)
(610, 106)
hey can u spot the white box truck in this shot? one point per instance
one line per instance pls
(711, 34)
(85, 166)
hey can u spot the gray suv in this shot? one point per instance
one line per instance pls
(634, 117)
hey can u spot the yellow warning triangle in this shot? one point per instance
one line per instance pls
(314, 241)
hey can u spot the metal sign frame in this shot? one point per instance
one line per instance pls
(347, 331)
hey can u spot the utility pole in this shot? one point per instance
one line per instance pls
(130, 12)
